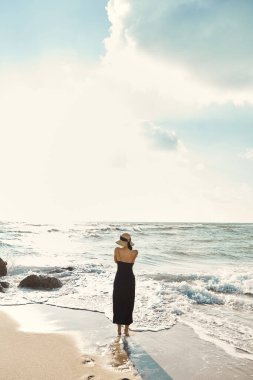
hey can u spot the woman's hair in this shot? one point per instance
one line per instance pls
(129, 246)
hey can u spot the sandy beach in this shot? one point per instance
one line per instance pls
(55, 356)
(48, 342)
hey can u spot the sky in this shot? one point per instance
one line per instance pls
(126, 110)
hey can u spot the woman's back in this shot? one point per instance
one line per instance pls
(125, 255)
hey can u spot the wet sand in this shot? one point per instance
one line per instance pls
(180, 354)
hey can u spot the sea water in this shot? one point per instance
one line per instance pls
(198, 274)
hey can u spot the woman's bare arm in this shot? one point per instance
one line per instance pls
(115, 254)
(135, 254)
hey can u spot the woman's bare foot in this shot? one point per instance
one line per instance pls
(119, 329)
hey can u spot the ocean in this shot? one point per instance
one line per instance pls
(200, 274)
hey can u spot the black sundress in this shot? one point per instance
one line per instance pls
(123, 294)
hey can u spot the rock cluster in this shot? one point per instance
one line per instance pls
(33, 281)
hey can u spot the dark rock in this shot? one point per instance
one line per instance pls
(3, 267)
(4, 284)
(1, 289)
(40, 282)
(60, 270)
(69, 268)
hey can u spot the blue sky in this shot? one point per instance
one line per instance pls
(32, 28)
(126, 102)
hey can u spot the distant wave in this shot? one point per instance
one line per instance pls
(169, 277)
(3, 244)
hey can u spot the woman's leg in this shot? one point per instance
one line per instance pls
(119, 329)
(126, 330)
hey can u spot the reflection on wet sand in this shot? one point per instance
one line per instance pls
(125, 353)
(120, 358)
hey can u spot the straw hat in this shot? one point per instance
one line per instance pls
(124, 240)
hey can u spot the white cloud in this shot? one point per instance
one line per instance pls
(248, 154)
(211, 38)
(160, 138)
(155, 83)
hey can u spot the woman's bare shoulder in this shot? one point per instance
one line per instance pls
(116, 251)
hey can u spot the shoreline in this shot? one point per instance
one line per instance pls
(177, 353)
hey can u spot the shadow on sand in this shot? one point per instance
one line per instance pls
(147, 367)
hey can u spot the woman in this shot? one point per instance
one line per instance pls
(124, 283)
